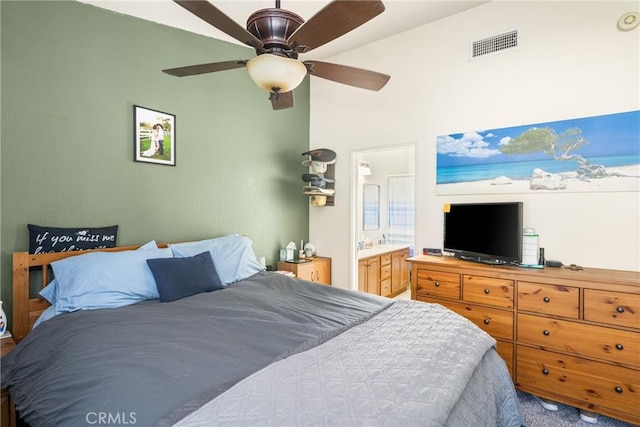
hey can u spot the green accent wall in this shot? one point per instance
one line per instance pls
(70, 75)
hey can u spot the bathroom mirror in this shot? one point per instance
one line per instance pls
(370, 207)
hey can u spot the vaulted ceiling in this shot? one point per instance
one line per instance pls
(399, 16)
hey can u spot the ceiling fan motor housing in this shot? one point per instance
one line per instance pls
(274, 27)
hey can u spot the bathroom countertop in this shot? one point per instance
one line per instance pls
(380, 249)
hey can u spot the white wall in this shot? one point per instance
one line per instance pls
(572, 62)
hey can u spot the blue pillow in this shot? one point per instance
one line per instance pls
(105, 279)
(182, 277)
(149, 245)
(46, 315)
(232, 256)
(50, 292)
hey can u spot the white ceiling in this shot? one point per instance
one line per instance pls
(399, 16)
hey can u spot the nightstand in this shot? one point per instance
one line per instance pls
(316, 269)
(7, 416)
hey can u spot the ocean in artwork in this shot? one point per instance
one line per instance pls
(521, 170)
(603, 151)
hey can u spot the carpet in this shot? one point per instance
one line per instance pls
(566, 416)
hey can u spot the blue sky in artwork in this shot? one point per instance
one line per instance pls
(608, 135)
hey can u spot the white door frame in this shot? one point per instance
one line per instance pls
(354, 193)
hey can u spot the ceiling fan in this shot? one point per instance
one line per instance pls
(278, 36)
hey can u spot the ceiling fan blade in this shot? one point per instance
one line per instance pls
(351, 76)
(335, 19)
(212, 15)
(280, 101)
(212, 67)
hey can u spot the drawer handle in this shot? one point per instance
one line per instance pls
(618, 389)
(620, 309)
(619, 347)
(486, 321)
(486, 291)
(545, 371)
(437, 284)
(545, 333)
(546, 299)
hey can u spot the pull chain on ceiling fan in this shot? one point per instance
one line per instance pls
(278, 36)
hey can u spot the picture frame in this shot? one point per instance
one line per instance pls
(154, 136)
(584, 154)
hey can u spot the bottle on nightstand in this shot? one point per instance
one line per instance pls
(3, 323)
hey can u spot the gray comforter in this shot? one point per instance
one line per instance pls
(413, 364)
(156, 363)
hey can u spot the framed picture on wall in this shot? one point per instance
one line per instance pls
(154, 134)
(585, 154)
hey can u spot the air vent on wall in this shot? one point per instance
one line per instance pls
(494, 44)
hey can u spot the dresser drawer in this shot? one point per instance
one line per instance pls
(548, 299)
(611, 345)
(487, 290)
(438, 283)
(385, 271)
(385, 287)
(614, 308)
(505, 350)
(497, 323)
(597, 383)
(385, 259)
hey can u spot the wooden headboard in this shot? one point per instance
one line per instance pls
(26, 310)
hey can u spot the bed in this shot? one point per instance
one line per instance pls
(261, 348)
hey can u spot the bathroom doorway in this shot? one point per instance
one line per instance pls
(383, 207)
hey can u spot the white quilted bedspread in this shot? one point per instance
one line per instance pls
(409, 365)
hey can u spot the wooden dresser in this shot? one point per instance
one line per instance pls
(316, 269)
(569, 336)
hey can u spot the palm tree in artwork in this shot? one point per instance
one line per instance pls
(560, 147)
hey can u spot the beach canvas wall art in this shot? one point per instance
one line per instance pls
(600, 153)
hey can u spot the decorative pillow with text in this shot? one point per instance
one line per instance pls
(56, 239)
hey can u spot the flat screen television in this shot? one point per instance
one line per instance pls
(484, 232)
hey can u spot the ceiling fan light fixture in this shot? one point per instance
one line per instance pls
(271, 72)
